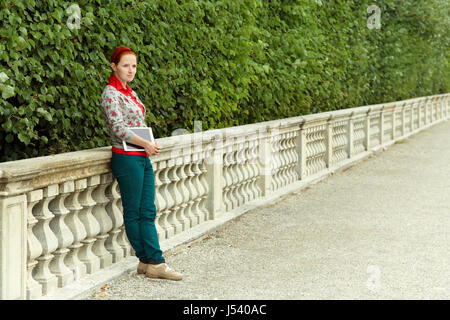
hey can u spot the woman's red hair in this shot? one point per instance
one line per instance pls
(119, 52)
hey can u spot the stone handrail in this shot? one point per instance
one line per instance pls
(61, 215)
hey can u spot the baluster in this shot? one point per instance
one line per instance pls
(273, 164)
(323, 147)
(122, 239)
(193, 193)
(444, 108)
(437, 114)
(63, 234)
(228, 181)
(184, 193)
(176, 196)
(345, 139)
(375, 129)
(170, 202)
(314, 150)
(283, 160)
(317, 149)
(239, 192)
(204, 183)
(387, 123)
(311, 151)
(318, 146)
(200, 192)
(308, 151)
(333, 145)
(313, 146)
(430, 109)
(225, 199)
(394, 122)
(256, 168)
(417, 114)
(86, 254)
(424, 105)
(234, 178)
(246, 169)
(251, 168)
(104, 221)
(48, 240)
(226, 178)
(294, 156)
(337, 142)
(34, 248)
(438, 108)
(116, 216)
(276, 149)
(202, 166)
(75, 225)
(237, 182)
(286, 158)
(160, 203)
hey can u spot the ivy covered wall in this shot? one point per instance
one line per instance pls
(224, 63)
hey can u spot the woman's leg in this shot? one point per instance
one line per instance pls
(129, 172)
(156, 267)
(148, 214)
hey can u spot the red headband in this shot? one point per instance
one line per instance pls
(115, 56)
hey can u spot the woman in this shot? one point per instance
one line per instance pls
(133, 170)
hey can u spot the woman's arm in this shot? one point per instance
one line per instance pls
(113, 113)
(112, 110)
(150, 148)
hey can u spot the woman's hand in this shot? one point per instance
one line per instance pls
(152, 148)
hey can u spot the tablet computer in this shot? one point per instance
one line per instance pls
(143, 132)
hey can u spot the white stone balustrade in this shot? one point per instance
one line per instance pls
(61, 216)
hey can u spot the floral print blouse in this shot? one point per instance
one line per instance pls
(121, 109)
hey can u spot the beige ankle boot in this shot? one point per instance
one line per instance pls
(142, 268)
(162, 271)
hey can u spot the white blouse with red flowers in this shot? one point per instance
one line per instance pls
(121, 109)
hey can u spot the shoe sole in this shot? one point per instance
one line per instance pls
(160, 277)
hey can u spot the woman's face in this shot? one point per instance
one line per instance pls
(126, 68)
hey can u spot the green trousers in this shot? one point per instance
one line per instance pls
(136, 179)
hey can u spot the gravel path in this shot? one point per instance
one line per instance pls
(377, 230)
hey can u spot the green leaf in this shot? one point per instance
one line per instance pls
(58, 14)
(24, 138)
(9, 138)
(79, 74)
(44, 139)
(3, 77)
(7, 91)
(47, 116)
(7, 125)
